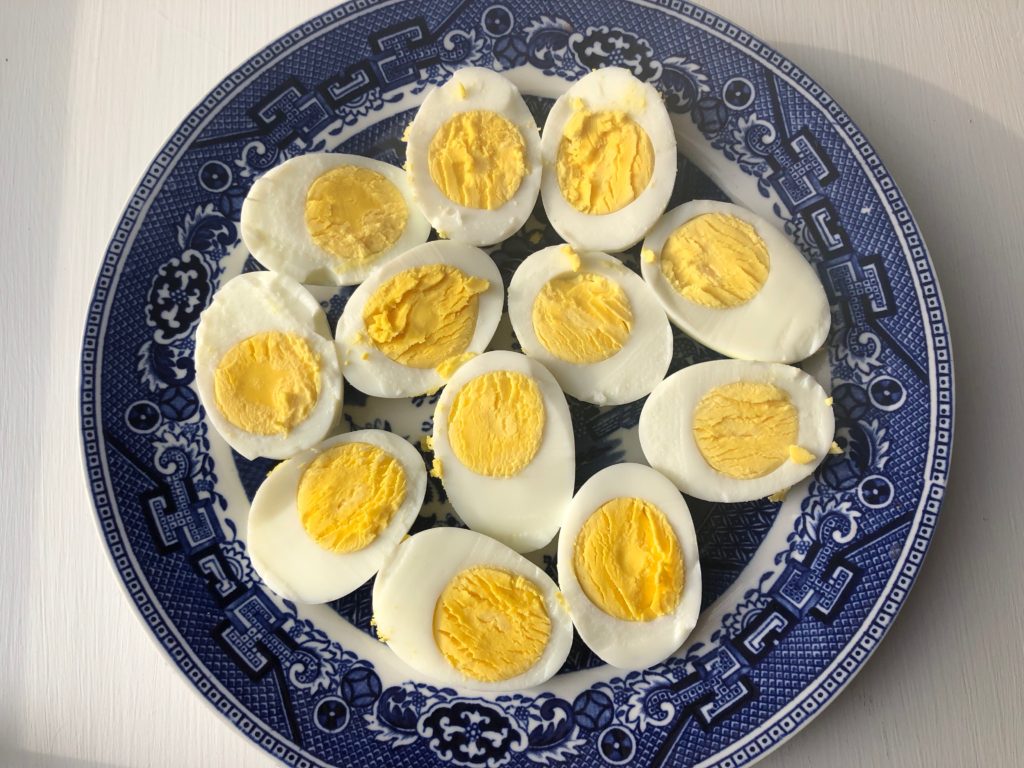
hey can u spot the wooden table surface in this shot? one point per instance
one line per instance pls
(89, 91)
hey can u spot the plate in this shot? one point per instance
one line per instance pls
(796, 595)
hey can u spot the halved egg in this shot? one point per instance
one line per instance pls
(628, 566)
(328, 219)
(465, 610)
(609, 161)
(266, 368)
(733, 430)
(474, 157)
(324, 521)
(592, 322)
(503, 447)
(735, 283)
(416, 318)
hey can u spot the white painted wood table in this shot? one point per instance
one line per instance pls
(88, 93)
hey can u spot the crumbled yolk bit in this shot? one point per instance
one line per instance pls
(577, 104)
(745, 429)
(267, 383)
(605, 161)
(628, 562)
(427, 443)
(582, 317)
(348, 495)
(715, 260)
(355, 213)
(364, 356)
(829, 401)
(478, 159)
(448, 368)
(406, 132)
(800, 455)
(496, 423)
(490, 624)
(424, 315)
(442, 235)
(835, 449)
(460, 91)
(648, 255)
(574, 258)
(779, 495)
(436, 470)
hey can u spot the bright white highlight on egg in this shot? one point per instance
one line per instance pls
(290, 561)
(786, 321)
(408, 587)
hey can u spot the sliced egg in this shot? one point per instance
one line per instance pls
(733, 430)
(592, 322)
(416, 318)
(474, 157)
(324, 521)
(466, 610)
(328, 219)
(735, 283)
(266, 367)
(628, 566)
(609, 161)
(503, 447)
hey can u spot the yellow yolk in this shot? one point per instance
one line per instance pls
(267, 383)
(348, 495)
(448, 368)
(478, 159)
(424, 315)
(572, 257)
(496, 423)
(628, 562)
(715, 260)
(605, 160)
(745, 429)
(800, 455)
(582, 318)
(355, 213)
(490, 624)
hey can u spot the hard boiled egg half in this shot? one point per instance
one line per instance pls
(733, 430)
(266, 367)
(503, 447)
(592, 322)
(324, 521)
(414, 320)
(609, 161)
(328, 219)
(466, 610)
(735, 283)
(628, 566)
(473, 157)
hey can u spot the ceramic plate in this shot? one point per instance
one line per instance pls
(796, 595)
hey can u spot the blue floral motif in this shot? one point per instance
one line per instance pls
(613, 47)
(180, 291)
(471, 732)
(547, 41)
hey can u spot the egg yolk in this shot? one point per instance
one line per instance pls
(496, 423)
(267, 383)
(490, 624)
(715, 260)
(355, 213)
(744, 429)
(628, 562)
(424, 315)
(582, 318)
(478, 159)
(605, 161)
(348, 495)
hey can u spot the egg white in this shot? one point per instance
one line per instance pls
(785, 322)
(666, 428)
(523, 512)
(290, 561)
(380, 376)
(255, 303)
(408, 587)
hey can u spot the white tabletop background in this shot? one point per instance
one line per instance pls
(88, 93)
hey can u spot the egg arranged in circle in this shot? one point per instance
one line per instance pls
(592, 322)
(734, 430)
(328, 219)
(609, 161)
(266, 367)
(465, 610)
(503, 447)
(628, 566)
(324, 521)
(735, 283)
(419, 316)
(473, 157)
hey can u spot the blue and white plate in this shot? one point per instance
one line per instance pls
(796, 595)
